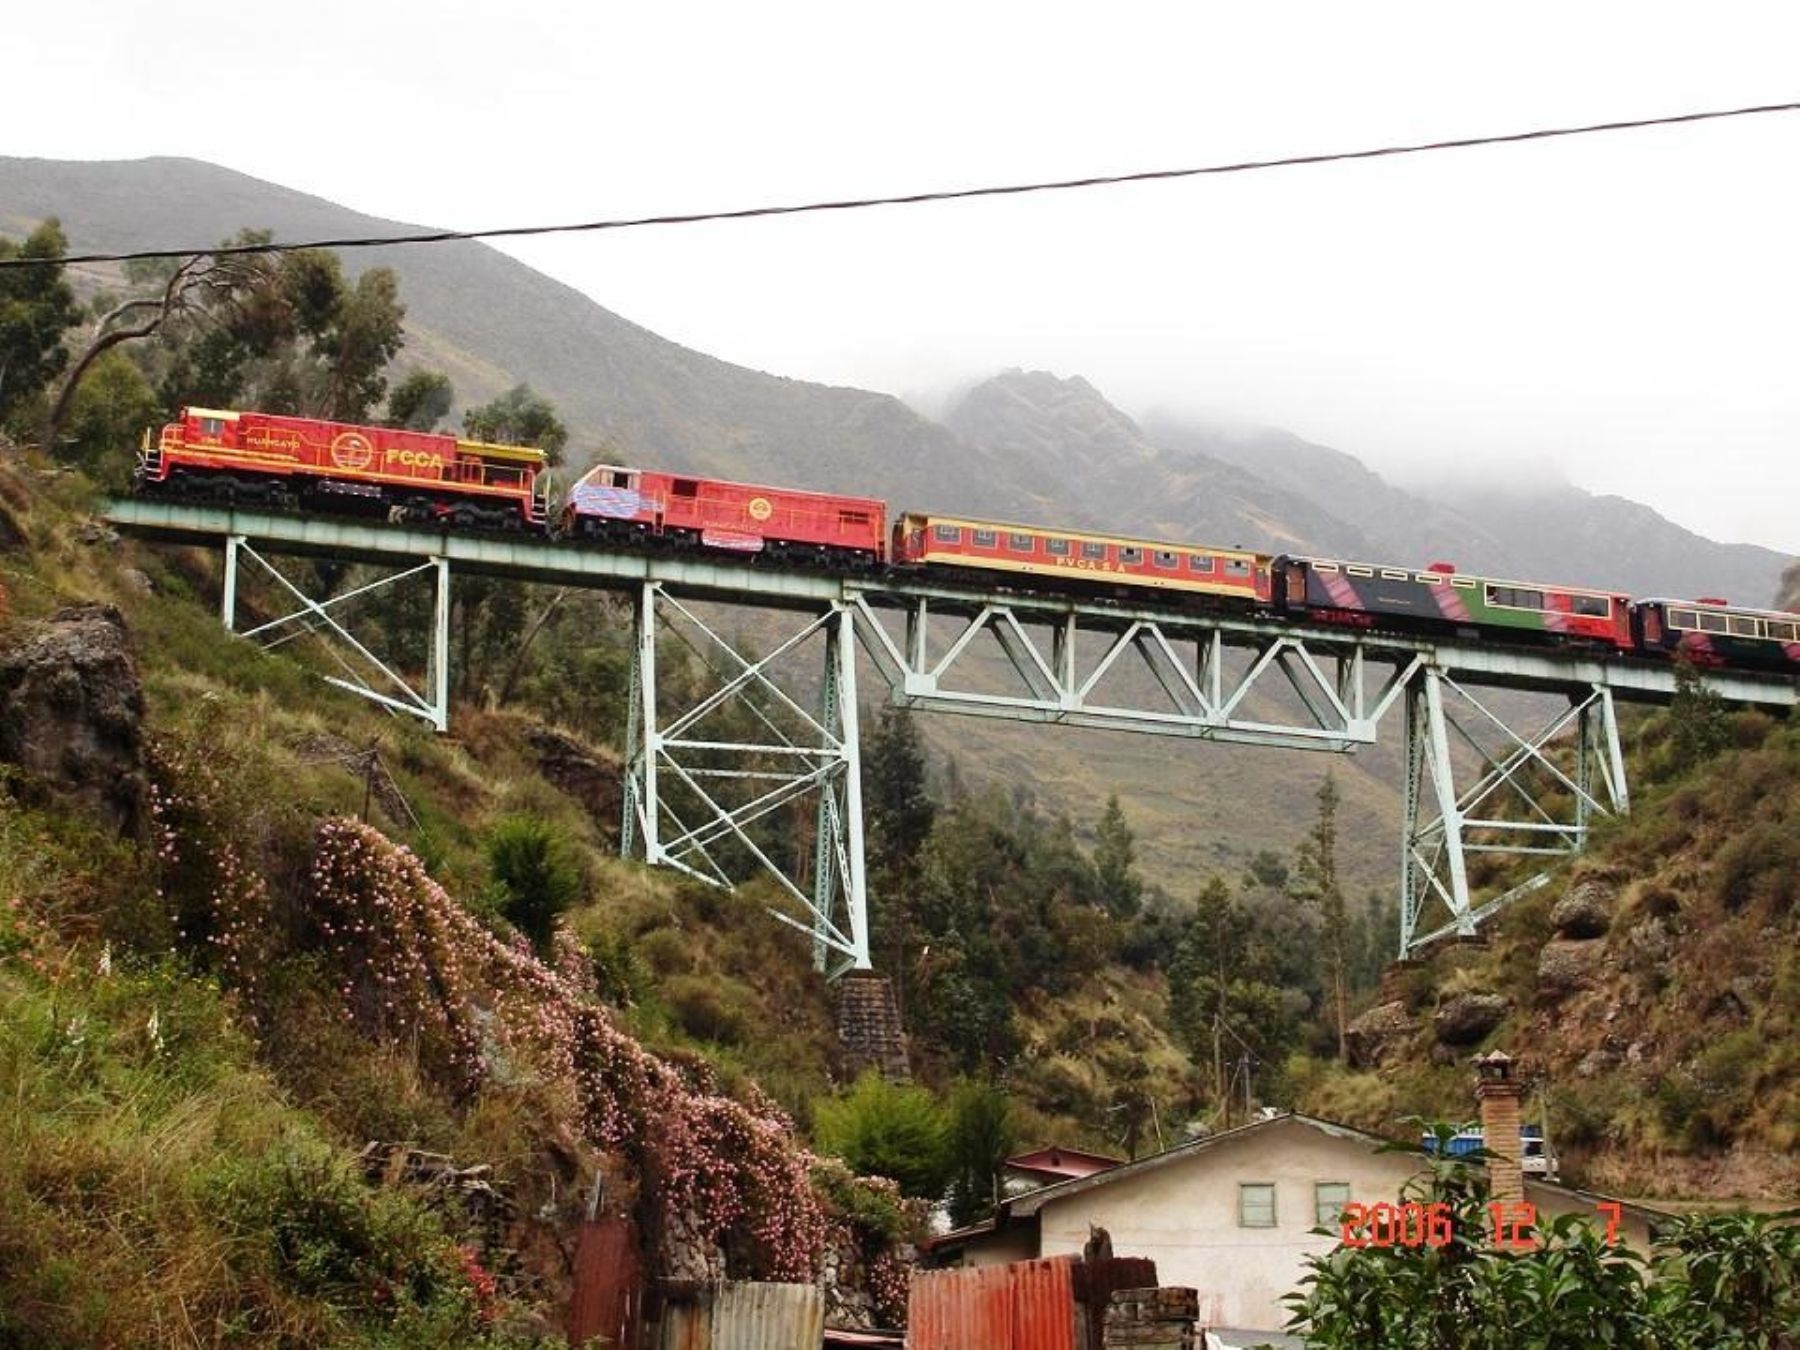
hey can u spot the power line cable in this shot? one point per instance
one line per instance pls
(916, 198)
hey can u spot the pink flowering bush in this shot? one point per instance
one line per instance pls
(413, 963)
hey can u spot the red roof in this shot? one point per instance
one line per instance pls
(1062, 1162)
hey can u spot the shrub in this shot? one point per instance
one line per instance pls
(887, 1130)
(535, 876)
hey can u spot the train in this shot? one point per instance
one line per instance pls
(429, 478)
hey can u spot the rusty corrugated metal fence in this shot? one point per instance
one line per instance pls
(1028, 1305)
(747, 1316)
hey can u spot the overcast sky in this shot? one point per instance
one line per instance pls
(1620, 310)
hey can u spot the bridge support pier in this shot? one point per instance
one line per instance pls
(718, 788)
(1447, 824)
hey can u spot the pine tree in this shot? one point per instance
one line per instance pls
(1120, 889)
(1316, 875)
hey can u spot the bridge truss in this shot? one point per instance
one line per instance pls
(757, 770)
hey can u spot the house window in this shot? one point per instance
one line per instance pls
(1256, 1204)
(947, 534)
(1057, 548)
(987, 539)
(1096, 552)
(1329, 1199)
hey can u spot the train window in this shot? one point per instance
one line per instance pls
(1429, 578)
(1467, 583)
(1594, 606)
(1019, 543)
(1783, 631)
(1393, 574)
(1684, 618)
(1744, 626)
(1057, 548)
(853, 517)
(1094, 551)
(987, 538)
(1323, 566)
(1200, 562)
(1165, 558)
(1712, 623)
(1515, 597)
(1131, 555)
(685, 487)
(619, 478)
(947, 534)
(1356, 571)
(212, 426)
(1237, 567)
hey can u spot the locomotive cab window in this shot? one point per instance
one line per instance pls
(947, 534)
(1164, 558)
(1057, 548)
(1019, 543)
(1131, 555)
(618, 478)
(1097, 552)
(1594, 606)
(212, 426)
(1199, 562)
(685, 487)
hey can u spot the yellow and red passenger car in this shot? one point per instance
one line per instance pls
(1070, 555)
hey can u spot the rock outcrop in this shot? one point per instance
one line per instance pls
(580, 772)
(1566, 967)
(71, 713)
(1375, 1035)
(1463, 1019)
(1586, 911)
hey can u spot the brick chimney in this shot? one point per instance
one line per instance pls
(1499, 1093)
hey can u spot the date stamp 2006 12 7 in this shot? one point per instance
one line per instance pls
(1416, 1225)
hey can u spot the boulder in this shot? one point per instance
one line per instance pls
(71, 712)
(1565, 967)
(1464, 1019)
(1586, 911)
(1377, 1034)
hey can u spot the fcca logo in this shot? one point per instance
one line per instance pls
(351, 450)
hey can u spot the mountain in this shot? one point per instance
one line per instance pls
(1536, 531)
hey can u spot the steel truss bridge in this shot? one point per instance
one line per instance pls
(1480, 777)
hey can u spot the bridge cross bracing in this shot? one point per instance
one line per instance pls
(780, 794)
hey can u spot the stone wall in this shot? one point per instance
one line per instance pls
(1153, 1319)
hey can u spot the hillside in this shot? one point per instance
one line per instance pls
(1651, 993)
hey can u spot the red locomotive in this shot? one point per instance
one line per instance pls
(419, 477)
(624, 505)
(409, 476)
